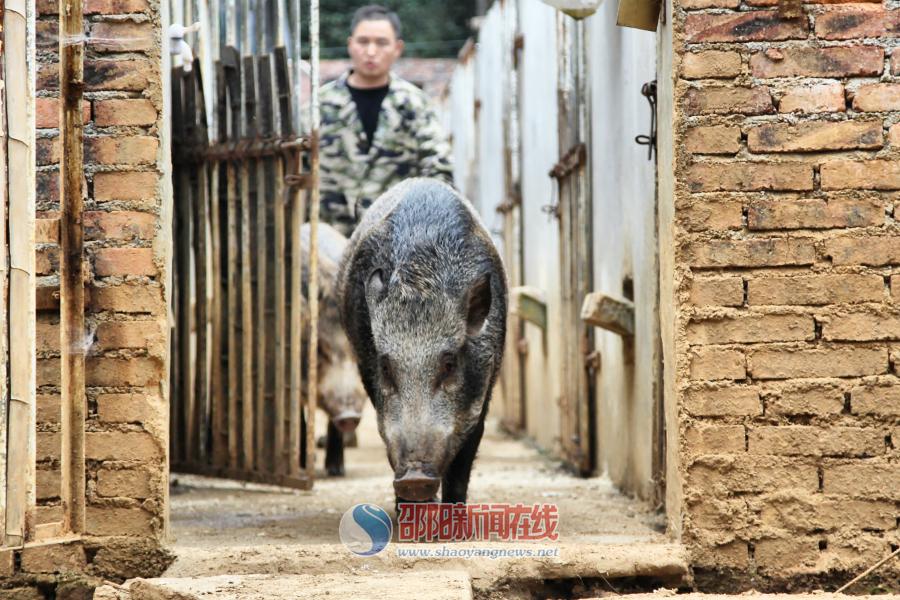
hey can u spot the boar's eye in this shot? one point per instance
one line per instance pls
(446, 367)
(387, 373)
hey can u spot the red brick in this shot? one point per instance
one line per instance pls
(124, 483)
(47, 260)
(118, 150)
(728, 100)
(816, 289)
(47, 337)
(841, 61)
(895, 62)
(47, 151)
(858, 174)
(119, 372)
(719, 475)
(47, 408)
(698, 4)
(717, 363)
(815, 214)
(815, 98)
(124, 261)
(816, 136)
(861, 326)
(136, 111)
(863, 479)
(112, 335)
(728, 291)
(714, 439)
(47, 112)
(715, 215)
(818, 362)
(47, 185)
(47, 35)
(126, 186)
(870, 250)
(127, 299)
(54, 558)
(783, 553)
(121, 446)
(119, 225)
(894, 135)
(118, 75)
(715, 139)
(753, 26)
(127, 408)
(46, 231)
(876, 400)
(750, 176)
(750, 328)
(753, 253)
(113, 7)
(847, 23)
(895, 287)
(711, 64)
(122, 36)
(877, 97)
(107, 521)
(723, 402)
(815, 400)
(802, 440)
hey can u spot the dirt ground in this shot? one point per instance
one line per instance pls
(221, 527)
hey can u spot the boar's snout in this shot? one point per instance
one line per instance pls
(347, 421)
(416, 486)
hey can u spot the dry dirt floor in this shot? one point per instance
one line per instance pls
(232, 529)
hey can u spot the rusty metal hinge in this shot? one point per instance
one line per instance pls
(570, 162)
(648, 91)
(592, 362)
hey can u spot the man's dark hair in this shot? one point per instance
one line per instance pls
(376, 12)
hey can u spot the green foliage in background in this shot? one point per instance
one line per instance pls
(431, 28)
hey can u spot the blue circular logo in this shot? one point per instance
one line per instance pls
(365, 529)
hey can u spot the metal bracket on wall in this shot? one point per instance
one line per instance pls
(648, 91)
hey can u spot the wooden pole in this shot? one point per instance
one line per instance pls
(312, 388)
(71, 278)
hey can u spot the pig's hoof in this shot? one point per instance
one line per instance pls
(335, 470)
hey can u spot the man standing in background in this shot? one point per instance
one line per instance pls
(376, 128)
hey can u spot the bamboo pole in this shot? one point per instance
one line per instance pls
(71, 277)
(4, 300)
(312, 390)
(18, 47)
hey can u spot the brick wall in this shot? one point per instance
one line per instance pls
(787, 270)
(126, 311)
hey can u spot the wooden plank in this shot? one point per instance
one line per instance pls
(218, 250)
(529, 303)
(608, 312)
(184, 207)
(312, 377)
(263, 370)
(21, 189)
(296, 438)
(248, 170)
(176, 433)
(71, 277)
(300, 482)
(201, 265)
(231, 68)
(638, 14)
(282, 452)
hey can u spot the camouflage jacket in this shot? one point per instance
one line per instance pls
(408, 142)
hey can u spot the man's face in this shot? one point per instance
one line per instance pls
(373, 48)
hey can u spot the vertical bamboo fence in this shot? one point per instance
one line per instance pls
(238, 407)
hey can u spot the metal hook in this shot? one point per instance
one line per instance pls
(648, 91)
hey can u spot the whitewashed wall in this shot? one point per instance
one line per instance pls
(619, 62)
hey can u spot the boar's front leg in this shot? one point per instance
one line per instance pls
(455, 485)
(334, 451)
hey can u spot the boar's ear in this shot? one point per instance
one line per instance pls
(479, 304)
(375, 285)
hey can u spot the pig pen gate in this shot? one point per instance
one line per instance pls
(238, 409)
(238, 203)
